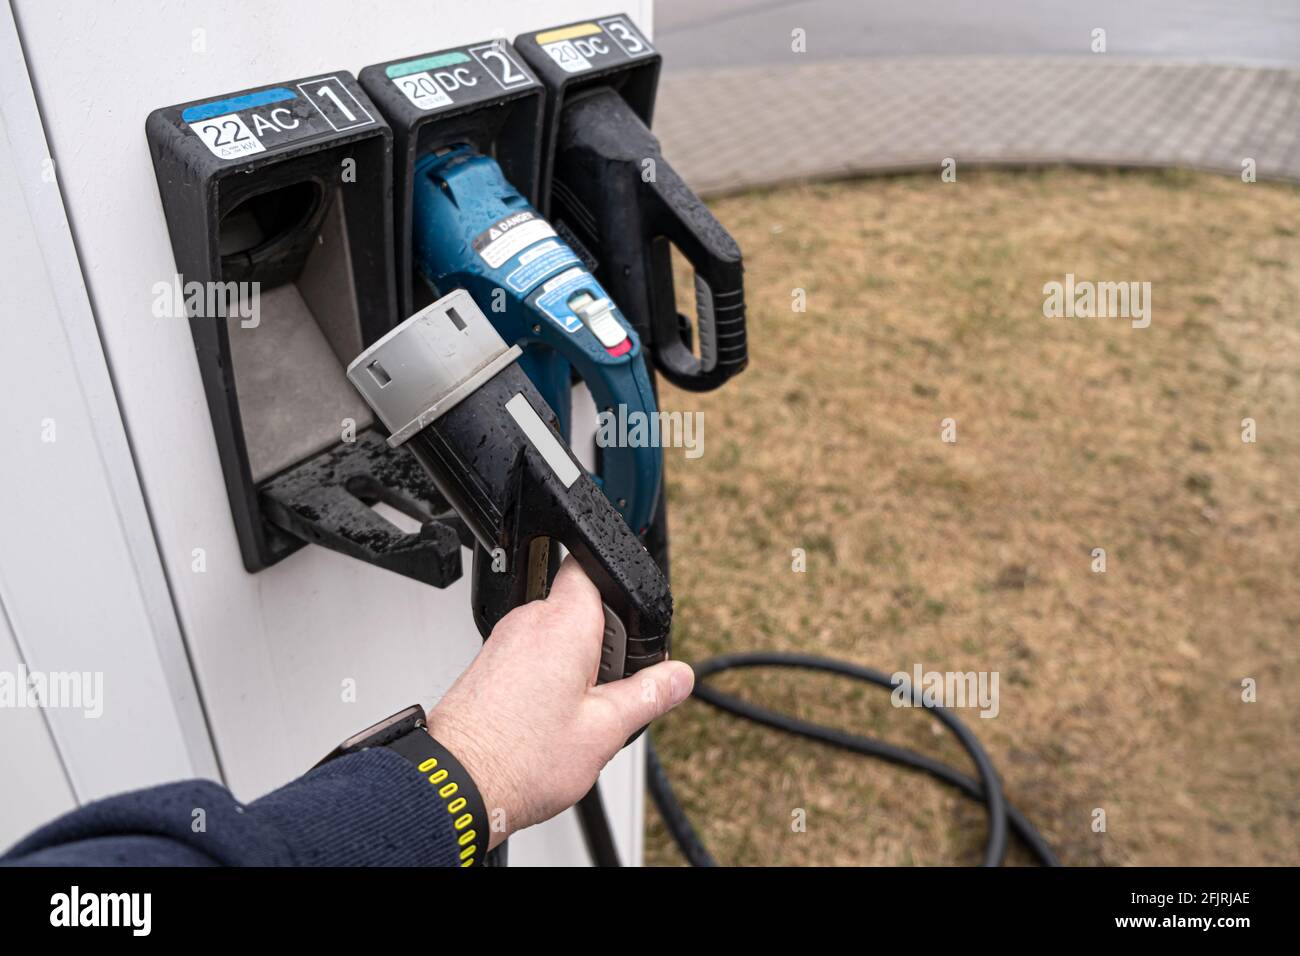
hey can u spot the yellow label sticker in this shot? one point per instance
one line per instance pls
(568, 33)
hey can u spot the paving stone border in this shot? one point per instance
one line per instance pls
(737, 128)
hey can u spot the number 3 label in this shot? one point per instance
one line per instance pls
(228, 136)
(626, 36)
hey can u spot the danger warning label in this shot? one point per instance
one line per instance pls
(506, 238)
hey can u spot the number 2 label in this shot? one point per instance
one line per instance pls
(500, 66)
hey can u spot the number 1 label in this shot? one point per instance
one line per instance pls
(336, 103)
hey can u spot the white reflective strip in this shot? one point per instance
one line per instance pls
(543, 439)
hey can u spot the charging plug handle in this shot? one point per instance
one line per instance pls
(535, 493)
(615, 189)
(490, 443)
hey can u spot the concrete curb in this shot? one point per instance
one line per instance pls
(729, 130)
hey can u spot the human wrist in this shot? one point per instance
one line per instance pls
(454, 787)
(495, 784)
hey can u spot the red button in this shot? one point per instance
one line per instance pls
(622, 348)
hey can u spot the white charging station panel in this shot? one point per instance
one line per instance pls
(288, 661)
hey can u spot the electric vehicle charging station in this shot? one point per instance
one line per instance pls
(244, 653)
(247, 675)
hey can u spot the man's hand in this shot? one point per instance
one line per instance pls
(527, 718)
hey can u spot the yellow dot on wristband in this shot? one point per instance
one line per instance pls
(468, 852)
(467, 837)
(428, 765)
(449, 790)
(464, 821)
(456, 805)
(438, 777)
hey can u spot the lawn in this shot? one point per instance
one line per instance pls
(1120, 691)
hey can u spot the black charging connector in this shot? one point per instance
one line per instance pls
(609, 186)
(607, 52)
(446, 386)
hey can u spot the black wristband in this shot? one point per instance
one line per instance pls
(407, 733)
(455, 788)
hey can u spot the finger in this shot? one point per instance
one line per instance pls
(571, 585)
(576, 600)
(647, 694)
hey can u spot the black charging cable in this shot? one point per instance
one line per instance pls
(985, 787)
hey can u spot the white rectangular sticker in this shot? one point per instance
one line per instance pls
(514, 241)
(567, 56)
(422, 90)
(543, 439)
(228, 136)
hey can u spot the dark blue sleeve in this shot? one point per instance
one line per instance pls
(368, 809)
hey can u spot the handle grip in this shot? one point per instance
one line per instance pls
(517, 488)
(623, 200)
(684, 221)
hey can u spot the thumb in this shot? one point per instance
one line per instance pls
(647, 694)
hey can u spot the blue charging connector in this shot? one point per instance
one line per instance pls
(473, 230)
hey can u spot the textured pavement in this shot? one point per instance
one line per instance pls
(735, 128)
(705, 34)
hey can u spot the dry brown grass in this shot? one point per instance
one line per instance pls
(1119, 690)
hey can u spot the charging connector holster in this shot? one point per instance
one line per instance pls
(278, 200)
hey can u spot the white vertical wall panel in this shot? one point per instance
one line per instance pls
(35, 787)
(81, 584)
(270, 651)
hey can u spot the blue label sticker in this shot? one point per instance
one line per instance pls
(234, 104)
